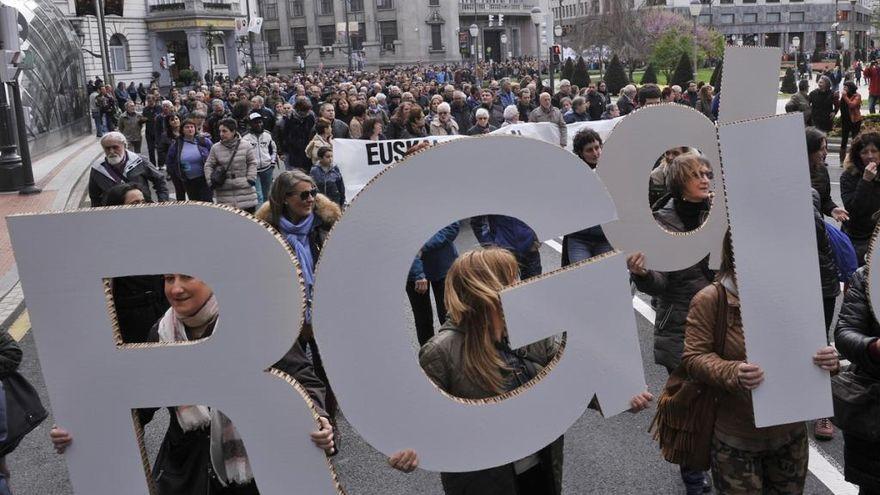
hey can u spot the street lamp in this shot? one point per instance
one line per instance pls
(852, 29)
(474, 30)
(557, 31)
(537, 15)
(696, 7)
(796, 43)
(504, 42)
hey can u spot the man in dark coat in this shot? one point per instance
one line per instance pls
(298, 131)
(123, 166)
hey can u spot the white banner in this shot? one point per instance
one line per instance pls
(360, 161)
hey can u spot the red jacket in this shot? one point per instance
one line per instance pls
(873, 74)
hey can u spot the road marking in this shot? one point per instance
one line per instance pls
(555, 245)
(21, 326)
(836, 183)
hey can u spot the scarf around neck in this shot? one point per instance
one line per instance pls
(297, 236)
(228, 456)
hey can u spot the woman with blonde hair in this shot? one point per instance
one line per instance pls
(470, 358)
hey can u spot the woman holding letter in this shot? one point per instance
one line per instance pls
(744, 459)
(471, 359)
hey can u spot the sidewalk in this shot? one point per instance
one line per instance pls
(58, 175)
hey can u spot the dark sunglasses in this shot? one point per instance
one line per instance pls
(704, 175)
(303, 196)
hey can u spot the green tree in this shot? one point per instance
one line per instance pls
(669, 49)
(715, 80)
(650, 75)
(568, 69)
(789, 85)
(581, 76)
(615, 77)
(684, 72)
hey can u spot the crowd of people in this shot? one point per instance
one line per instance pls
(265, 145)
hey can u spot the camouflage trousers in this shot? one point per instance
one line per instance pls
(782, 471)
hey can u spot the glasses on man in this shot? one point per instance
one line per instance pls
(303, 196)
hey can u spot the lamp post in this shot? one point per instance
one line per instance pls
(474, 31)
(852, 30)
(796, 43)
(695, 8)
(504, 42)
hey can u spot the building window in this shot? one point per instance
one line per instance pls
(388, 34)
(357, 38)
(327, 35)
(436, 37)
(750, 1)
(355, 5)
(270, 9)
(750, 18)
(796, 17)
(705, 19)
(119, 54)
(774, 17)
(295, 8)
(218, 55)
(384, 4)
(272, 37)
(433, 3)
(325, 7)
(299, 37)
(726, 18)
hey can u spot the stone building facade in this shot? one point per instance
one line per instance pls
(817, 24)
(151, 29)
(383, 33)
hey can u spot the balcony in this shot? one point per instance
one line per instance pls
(511, 7)
(157, 6)
(187, 9)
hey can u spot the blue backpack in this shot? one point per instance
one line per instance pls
(844, 252)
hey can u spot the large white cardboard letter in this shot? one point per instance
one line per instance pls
(93, 384)
(359, 312)
(774, 249)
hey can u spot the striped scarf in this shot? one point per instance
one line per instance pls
(226, 444)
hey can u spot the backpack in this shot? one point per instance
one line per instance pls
(844, 252)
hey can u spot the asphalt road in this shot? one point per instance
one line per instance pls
(614, 455)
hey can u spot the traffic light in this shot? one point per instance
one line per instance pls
(491, 20)
(500, 20)
(555, 54)
(171, 60)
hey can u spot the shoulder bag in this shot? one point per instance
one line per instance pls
(857, 404)
(686, 410)
(218, 175)
(24, 410)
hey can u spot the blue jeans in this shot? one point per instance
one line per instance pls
(582, 249)
(264, 184)
(98, 118)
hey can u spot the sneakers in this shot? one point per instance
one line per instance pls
(823, 429)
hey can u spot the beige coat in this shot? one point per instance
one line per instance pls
(241, 174)
(314, 145)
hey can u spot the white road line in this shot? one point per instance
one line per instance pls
(555, 245)
(836, 183)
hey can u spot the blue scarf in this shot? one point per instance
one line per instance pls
(297, 235)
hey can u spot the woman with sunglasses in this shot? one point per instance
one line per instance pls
(685, 208)
(304, 218)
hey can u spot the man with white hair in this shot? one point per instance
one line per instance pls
(461, 112)
(511, 115)
(548, 113)
(123, 166)
(626, 102)
(564, 91)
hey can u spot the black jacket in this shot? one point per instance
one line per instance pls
(598, 102)
(673, 292)
(297, 134)
(625, 105)
(462, 116)
(138, 171)
(496, 114)
(861, 199)
(824, 106)
(822, 184)
(856, 329)
(524, 110)
(827, 261)
(183, 464)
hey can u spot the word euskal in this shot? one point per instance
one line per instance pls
(370, 362)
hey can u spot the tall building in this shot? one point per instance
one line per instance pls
(384, 33)
(199, 33)
(811, 24)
